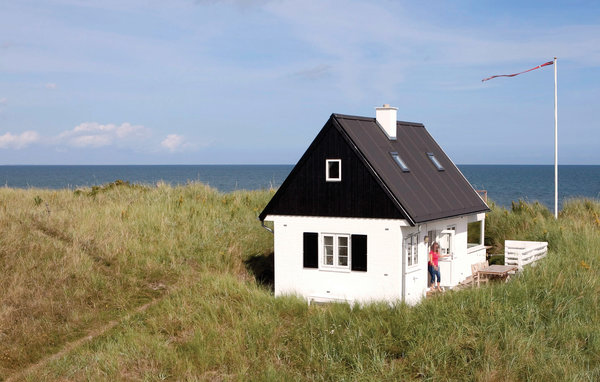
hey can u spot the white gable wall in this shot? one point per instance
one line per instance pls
(381, 281)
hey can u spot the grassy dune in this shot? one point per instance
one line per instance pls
(73, 261)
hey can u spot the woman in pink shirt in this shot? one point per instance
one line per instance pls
(432, 265)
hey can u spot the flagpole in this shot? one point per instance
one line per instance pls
(555, 145)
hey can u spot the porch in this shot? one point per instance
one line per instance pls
(457, 268)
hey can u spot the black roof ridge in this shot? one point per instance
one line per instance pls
(361, 118)
(416, 124)
(356, 117)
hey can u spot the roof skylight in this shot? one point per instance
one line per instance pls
(435, 162)
(400, 162)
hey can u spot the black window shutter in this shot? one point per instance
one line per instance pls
(311, 250)
(359, 253)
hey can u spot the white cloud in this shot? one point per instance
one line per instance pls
(91, 140)
(50, 85)
(173, 142)
(18, 141)
(94, 134)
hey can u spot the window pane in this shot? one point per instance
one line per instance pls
(407, 250)
(435, 162)
(329, 255)
(342, 251)
(432, 238)
(328, 250)
(415, 249)
(400, 162)
(474, 234)
(445, 244)
(334, 169)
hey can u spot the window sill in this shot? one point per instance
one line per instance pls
(475, 248)
(332, 269)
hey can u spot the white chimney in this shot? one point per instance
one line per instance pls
(386, 116)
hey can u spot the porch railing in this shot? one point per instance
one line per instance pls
(521, 253)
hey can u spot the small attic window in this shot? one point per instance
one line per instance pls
(333, 170)
(435, 162)
(400, 162)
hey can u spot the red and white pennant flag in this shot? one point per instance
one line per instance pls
(516, 74)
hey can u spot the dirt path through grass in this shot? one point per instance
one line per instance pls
(92, 334)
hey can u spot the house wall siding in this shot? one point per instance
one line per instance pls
(381, 281)
(386, 259)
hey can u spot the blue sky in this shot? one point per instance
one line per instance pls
(203, 82)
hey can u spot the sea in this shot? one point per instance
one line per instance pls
(503, 183)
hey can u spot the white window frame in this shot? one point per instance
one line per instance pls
(329, 178)
(451, 231)
(336, 252)
(471, 246)
(411, 250)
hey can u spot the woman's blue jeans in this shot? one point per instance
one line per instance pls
(433, 273)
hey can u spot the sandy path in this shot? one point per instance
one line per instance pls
(70, 346)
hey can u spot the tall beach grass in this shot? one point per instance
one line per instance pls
(73, 261)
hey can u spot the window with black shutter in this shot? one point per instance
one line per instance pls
(335, 249)
(311, 250)
(359, 253)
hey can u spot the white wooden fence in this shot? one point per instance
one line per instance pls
(521, 253)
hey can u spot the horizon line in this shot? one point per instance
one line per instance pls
(276, 164)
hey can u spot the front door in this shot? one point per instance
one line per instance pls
(415, 273)
(447, 250)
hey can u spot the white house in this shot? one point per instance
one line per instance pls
(354, 219)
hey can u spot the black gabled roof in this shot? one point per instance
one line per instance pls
(419, 195)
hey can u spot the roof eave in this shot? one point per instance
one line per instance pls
(449, 216)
